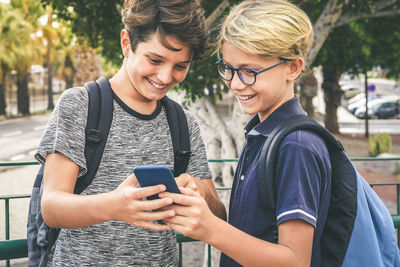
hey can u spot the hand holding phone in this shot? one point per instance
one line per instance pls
(156, 174)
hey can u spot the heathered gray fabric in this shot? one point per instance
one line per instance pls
(133, 140)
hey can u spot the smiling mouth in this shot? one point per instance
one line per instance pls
(158, 86)
(245, 97)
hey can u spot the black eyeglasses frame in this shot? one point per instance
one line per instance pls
(255, 72)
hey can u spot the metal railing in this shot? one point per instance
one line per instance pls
(17, 248)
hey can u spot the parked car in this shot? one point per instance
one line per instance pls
(354, 106)
(356, 98)
(360, 112)
(350, 90)
(359, 101)
(382, 108)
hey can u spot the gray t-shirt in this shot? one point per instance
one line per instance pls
(134, 139)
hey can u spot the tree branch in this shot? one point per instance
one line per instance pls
(349, 18)
(384, 4)
(326, 21)
(216, 13)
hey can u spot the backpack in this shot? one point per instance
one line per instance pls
(41, 237)
(359, 229)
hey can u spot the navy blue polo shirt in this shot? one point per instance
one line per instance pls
(303, 181)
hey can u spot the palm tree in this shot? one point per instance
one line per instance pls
(14, 33)
(31, 11)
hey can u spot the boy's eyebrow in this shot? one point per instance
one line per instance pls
(153, 54)
(244, 65)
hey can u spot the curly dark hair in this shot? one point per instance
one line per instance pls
(183, 19)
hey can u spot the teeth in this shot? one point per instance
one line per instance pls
(245, 97)
(156, 85)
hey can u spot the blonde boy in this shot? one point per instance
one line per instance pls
(264, 45)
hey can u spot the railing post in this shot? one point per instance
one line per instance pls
(7, 224)
(209, 255)
(398, 212)
(180, 254)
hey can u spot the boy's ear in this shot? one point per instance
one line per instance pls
(295, 67)
(125, 43)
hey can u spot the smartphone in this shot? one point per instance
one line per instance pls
(156, 174)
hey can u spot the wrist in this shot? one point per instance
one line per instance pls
(104, 207)
(215, 232)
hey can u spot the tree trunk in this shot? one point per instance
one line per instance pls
(366, 104)
(332, 97)
(88, 64)
(3, 90)
(69, 72)
(50, 103)
(23, 93)
(309, 89)
(325, 23)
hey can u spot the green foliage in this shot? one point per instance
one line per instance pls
(397, 169)
(202, 79)
(385, 42)
(98, 21)
(379, 143)
(347, 49)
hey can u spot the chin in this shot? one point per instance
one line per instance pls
(247, 111)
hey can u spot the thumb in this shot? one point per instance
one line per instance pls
(182, 180)
(130, 181)
(188, 192)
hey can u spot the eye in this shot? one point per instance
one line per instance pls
(181, 67)
(154, 61)
(248, 71)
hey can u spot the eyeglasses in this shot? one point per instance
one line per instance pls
(247, 76)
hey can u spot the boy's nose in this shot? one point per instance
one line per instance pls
(165, 75)
(236, 83)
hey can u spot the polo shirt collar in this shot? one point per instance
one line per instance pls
(289, 109)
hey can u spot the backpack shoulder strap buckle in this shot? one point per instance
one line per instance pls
(94, 136)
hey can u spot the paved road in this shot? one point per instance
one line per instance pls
(348, 123)
(19, 138)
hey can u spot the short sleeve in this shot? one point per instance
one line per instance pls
(198, 164)
(65, 131)
(302, 176)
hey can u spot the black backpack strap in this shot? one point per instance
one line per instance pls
(179, 129)
(343, 202)
(97, 128)
(269, 156)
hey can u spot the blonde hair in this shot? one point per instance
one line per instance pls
(270, 28)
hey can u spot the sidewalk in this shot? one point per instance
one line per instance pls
(16, 181)
(344, 116)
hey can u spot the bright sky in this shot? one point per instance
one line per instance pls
(5, 1)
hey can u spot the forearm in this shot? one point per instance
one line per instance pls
(66, 210)
(248, 250)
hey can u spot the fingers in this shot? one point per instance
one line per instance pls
(187, 198)
(146, 219)
(155, 204)
(143, 192)
(153, 215)
(130, 181)
(153, 226)
(189, 192)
